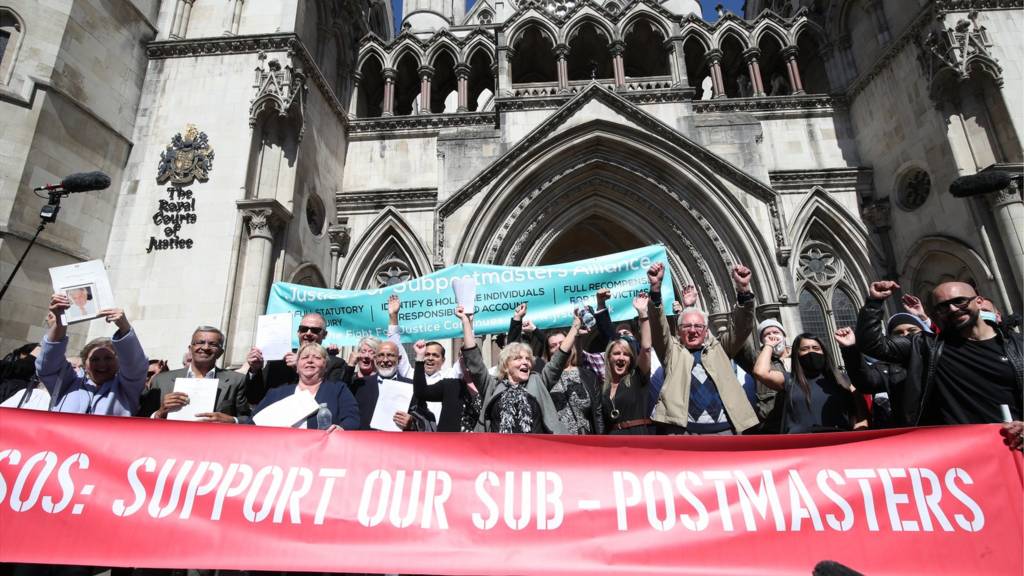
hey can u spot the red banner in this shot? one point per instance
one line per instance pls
(103, 491)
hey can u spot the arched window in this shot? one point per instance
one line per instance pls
(843, 309)
(11, 33)
(812, 315)
(826, 302)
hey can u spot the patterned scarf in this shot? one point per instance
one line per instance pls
(515, 410)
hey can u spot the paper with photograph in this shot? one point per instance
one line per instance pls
(87, 287)
(202, 396)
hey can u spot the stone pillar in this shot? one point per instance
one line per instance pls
(186, 15)
(874, 7)
(562, 67)
(714, 58)
(262, 218)
(676, 57)
(1008, 212)
(504, 83)
(618, 67)
(389, 92)
(232, 17)
(339, 236)
(753, 56)
(179, 9)
(848, 64)
(462, 73)
(426, 73)
(353, 102)
(789, 54)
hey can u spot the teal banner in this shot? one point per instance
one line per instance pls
(551, 292)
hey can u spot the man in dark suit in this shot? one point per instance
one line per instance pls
(207, 347)
(367, 389)
(263, 376)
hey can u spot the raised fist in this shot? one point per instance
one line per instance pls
(655, 274)
(882, 289)
(741, 276)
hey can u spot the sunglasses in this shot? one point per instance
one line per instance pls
(959, 303)
(313, 329)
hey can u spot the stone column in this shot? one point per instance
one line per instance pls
(232, 17)
(848, 64)
(714, 58)
(353, 102)
(753, 56)
(389, 92)
(179, 9)
(262, 218)
(789, 54)
(186, 15)
(618, 68)
(1008, 212)
(426, 73)
(462, 73)
(562, 67)
(874, 7)
(676, 57)
(504, 83)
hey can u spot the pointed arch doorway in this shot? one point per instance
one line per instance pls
(597, 235)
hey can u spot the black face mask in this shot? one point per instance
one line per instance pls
(813, 362)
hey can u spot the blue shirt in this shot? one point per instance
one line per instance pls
(76, 394)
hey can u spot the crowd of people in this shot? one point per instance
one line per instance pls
(650, 375)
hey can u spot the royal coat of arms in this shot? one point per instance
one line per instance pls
(187, 159)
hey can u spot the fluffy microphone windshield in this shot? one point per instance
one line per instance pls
(85, 181)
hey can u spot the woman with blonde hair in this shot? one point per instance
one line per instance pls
(627, 379)
(517, 399)
(311, 364)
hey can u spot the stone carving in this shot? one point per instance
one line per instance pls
(187, 159)
(394, 270)
(278, 88)
(877, 215)
(340, 237)
(914, 189)
(816, 103)
(258, 222)
(956, 48)
(818, 265)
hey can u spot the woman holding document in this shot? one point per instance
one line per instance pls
(115, 368)
(311, 364)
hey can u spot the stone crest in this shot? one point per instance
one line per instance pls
(187, 159)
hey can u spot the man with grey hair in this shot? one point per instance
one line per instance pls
(207, 346)
(701, 394)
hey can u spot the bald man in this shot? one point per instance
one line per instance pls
(961, 376)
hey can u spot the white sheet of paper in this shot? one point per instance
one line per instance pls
(287, 412)
(394, 396)
(86, 280)
(465, 293)
(274, 335)
(202, 395)
(435, 409)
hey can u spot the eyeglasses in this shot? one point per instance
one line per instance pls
(692, 327)
(210, 343)
(314, 329)
(959, 303)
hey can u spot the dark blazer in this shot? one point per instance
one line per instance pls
(450, 392)
(276, 373)
(366, 391)
(339, 400)
(230, 392)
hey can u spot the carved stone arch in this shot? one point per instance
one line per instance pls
(822, 219)
(935, 259)
(770, 27)
(733, 29)
(678, 186)
(13, 26)
(308, 274)
(808, 26)
(389, 240)
(478, 43)
(693, 31)
(587, 17)
(406, 46)
(515, 34)
(441, 45)
(368, 51)
(641, 12)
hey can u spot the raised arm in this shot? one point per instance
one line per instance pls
(642, 305)
(553, 369)
(870, 337)
(395, 335)
(605, 332)
(661, 336)
(132, 364)
(741, 322)
(515, 325)
(763, 371)
(52, 367)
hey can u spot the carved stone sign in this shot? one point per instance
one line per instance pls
(178, 210)
(187, 159)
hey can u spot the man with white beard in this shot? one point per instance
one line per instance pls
(366, 389)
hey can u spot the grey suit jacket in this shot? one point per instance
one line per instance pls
(230, 393)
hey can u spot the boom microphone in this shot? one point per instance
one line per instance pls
(80, 182)
(980, 183)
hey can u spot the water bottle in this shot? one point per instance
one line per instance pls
(587, 317)
(323, 417)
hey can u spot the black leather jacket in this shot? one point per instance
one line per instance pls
(919, 354)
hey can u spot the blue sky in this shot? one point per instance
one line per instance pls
(708, 7)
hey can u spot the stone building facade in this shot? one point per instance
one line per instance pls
(814, 141)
